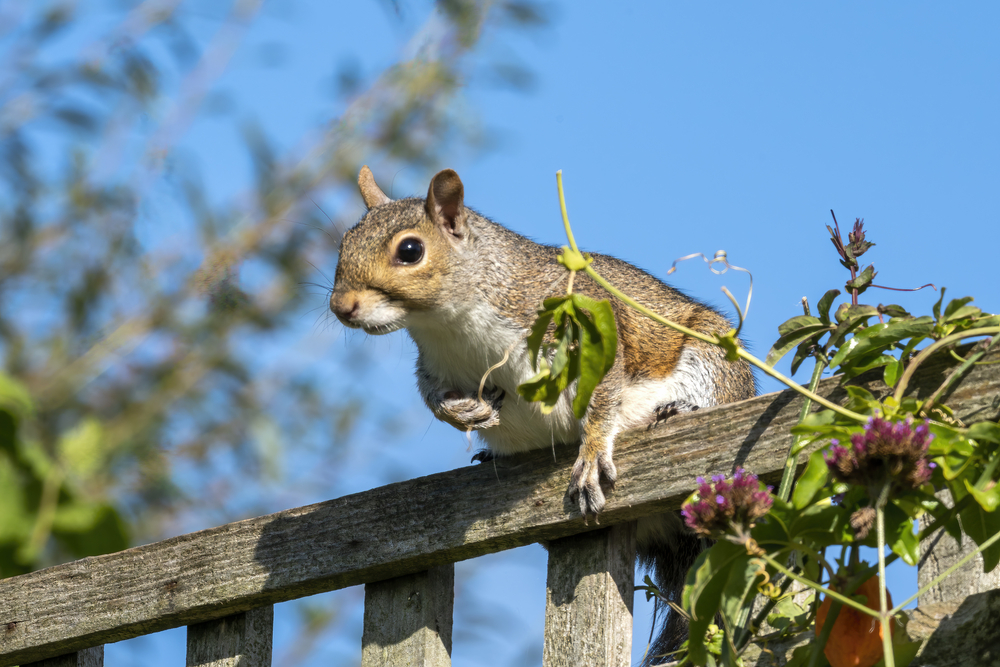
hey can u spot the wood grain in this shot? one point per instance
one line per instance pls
(403, 528)
(588, 602)
(408, 620)
(240, 640)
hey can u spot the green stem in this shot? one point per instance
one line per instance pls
(822, 589)
(884, 618)
(565, 215)
(795, 546)
(791, 384)
(937, 580)
(911, 368)
(791, 461)
(713, 340)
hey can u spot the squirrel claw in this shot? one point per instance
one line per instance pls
(590, 481)
(482, 456)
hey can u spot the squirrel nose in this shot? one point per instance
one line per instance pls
(344, 306)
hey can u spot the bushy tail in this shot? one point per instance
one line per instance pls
(667, 551)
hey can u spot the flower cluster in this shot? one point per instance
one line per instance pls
(723, 505)
(884, 452)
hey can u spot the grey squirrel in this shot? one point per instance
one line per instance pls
(467, 290)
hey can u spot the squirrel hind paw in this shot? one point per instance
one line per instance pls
(661, 413)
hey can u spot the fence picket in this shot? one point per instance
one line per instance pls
(408, 620)
(588, 606)
(242, 640)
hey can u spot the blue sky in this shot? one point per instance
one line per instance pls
(680, 128)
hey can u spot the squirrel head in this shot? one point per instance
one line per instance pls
(402, 256)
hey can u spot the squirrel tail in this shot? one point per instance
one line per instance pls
(667, 550)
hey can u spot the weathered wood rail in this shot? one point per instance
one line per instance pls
(402, 541)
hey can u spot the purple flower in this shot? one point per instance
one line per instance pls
(724, 505)
(885, 451)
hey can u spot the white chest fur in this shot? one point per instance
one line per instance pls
(459, 348)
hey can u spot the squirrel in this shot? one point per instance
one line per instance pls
(467, 291)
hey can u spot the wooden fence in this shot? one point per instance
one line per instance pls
(402, 541)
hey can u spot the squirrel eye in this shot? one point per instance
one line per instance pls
(409, 251)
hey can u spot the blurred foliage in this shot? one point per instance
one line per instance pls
(120, 361)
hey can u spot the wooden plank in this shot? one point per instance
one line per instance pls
(403, 528)
(240, 640)
(88, 657)
(408, 620)
(588, 600)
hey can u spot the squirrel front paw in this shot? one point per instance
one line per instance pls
(591, 479)
(468, 412)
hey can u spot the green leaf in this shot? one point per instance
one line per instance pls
(862, 280)
(823, 525)
(596, 347)
(805, 351)
(591, 365)
(963, 313)
(703, 589)
(792, 339)
(937, 306)
(604, 319)
(815, 477)
(865, 364)
(787, 613)
(798, 322)
(956, 305)
(824, 305)
(16, 520)
(15, 396)
(537, 335)
(847, 312)
(855, 343)
(89, 529)
(740, 589)
(545, 388)
(850, 318)
(985, 432)
(880, 336)
(561, 357)
(861, 398)
(894, 310)
(899, 534)
(82, 449)
(893, 371)
(988, 499)
(981, 526)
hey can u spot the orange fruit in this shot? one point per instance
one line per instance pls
(856, 638)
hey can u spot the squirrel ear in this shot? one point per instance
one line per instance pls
(444, 202)
(370, 192)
